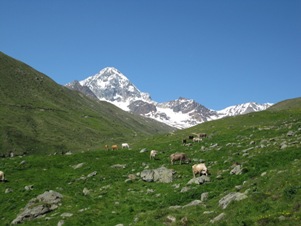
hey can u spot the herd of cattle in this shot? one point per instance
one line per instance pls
(200, 168)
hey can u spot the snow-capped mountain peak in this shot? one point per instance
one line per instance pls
(112, 86)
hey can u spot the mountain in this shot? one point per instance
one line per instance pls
(243, 109)
(41, 116)
(112, 86)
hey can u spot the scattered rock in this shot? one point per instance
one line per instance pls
(8, 190)
(28, 187)
(161, 174)
(204, 196)
(143, 150)
(238, 187)
(36, 207)
(199, 180)
(119, 166)
(185, 189)
(78, 166)
(64, 215)
(171, 219)
(263, 174)
(237, 170)
(86, 191)
(233, 196)
(218, 218)
(193, 203)
(92, 174)
(132, 177)
(283, 146)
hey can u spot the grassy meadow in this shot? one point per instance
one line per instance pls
(267, 145)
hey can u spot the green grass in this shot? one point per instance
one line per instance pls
(39, 116)
(271, 177)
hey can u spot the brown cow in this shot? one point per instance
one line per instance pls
(178, 157)
(114, 147)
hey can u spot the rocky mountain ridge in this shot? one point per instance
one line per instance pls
(112, 86)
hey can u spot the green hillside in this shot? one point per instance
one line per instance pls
(104, 187)
(39, 116)
(286, 105)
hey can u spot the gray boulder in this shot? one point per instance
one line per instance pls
(36, 207)
(237, 170)
(199, 180)
(161, 174)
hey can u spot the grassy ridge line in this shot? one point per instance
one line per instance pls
(39, 116)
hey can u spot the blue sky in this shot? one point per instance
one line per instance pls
(219, 53)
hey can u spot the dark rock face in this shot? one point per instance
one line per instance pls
(75, 85)
(142, 108)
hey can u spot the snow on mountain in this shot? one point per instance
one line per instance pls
(112, 86)
(243, 109)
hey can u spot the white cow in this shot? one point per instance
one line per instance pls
(125, 145)
(196, 139)
(153, 154)
(2, 178)
(199, 169)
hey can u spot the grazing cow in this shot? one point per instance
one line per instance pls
(199, 169)
(190, 137)
(125, 145)
(196, 139)
(2, 176)
(200, 135)
(153, 154)
(178, 157)
(114, 147)
(107, 147)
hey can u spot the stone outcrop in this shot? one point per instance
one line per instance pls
(36, 207)
(161, 174)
